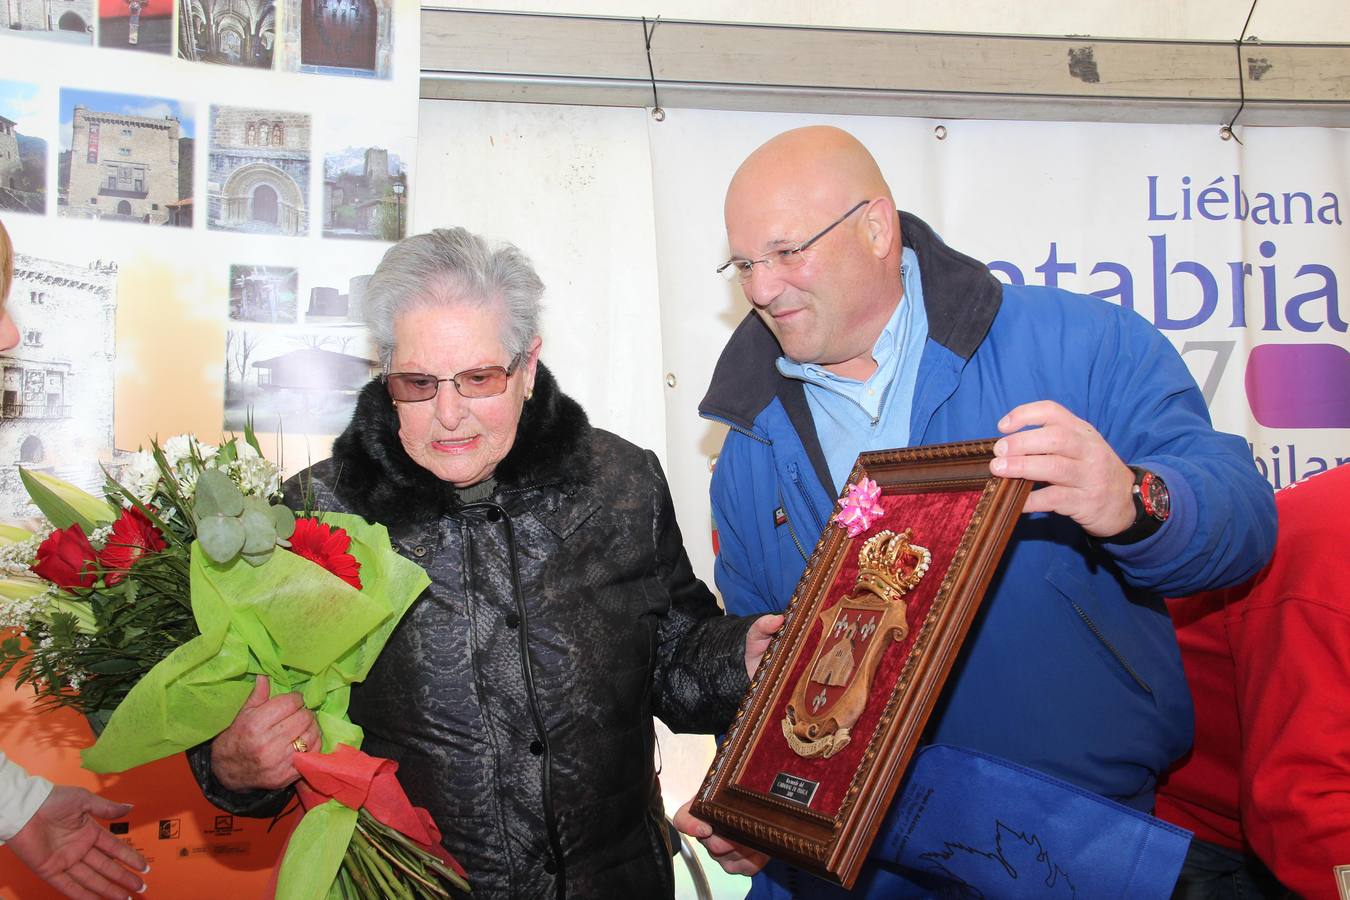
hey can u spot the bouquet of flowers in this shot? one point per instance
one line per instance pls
(152, 613)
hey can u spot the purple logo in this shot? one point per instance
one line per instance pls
(1299, 385)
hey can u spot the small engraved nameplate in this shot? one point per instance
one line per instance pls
(790, 787)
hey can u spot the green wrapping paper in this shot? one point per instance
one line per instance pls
(305, 629)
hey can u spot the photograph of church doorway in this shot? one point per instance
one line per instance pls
(262, 198)
(71, 21)
(258, 171)
(339, 37)
(228, 32)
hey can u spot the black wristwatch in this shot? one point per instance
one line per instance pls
(1152, 506)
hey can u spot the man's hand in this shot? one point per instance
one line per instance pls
(1084, 478)
(757, 640)
(732, 857)
(256, 750)
(74, 854)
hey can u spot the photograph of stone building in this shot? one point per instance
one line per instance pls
(263, 294)
(23, 155)
(364, 194)
(56, 405)
(142, 25)
(122, 159)
(67, 21)
(295, 382)
(230, 32)
(337, 37)
(258, 176)
(332, 306)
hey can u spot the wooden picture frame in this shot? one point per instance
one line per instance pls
(835, 710)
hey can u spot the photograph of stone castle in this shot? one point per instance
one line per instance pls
(56, 386)
(258, 177)
(125, 158)
(23, 155)
(364, 194)
(67, 21)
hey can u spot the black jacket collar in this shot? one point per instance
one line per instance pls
(374, 477)
(961, 298)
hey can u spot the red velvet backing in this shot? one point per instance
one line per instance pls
(939, 520)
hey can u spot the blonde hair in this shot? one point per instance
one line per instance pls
(6, 265)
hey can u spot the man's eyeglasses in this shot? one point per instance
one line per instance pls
(473, 384)
(788, 258)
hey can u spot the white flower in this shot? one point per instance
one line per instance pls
(178, 448)
(256, 476)
(16, 558)
(140, 476)
(98, 538)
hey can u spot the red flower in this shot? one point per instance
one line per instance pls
(132, 537)
(326, 546)
(66, 559)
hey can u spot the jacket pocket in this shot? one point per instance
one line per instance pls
(1107, 623)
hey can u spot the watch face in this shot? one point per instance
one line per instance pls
(1157, 502)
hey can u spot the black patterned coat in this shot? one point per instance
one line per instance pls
(517, 694)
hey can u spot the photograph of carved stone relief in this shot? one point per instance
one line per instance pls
(125, 158)
(56, 409)
(263, 294)
(67, 21)
(258, 176)
(229, 32)
(296, 382)
(364, 194)
(142, 25)
(23, 155)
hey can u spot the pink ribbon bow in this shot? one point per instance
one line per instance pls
(859, 507)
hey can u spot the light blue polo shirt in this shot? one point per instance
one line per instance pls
(852, 416)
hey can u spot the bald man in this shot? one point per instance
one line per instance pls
(868, 332)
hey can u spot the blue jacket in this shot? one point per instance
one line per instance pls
(1071, 666)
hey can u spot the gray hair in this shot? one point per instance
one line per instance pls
(452, 267)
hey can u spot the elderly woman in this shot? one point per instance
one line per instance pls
(517, 695)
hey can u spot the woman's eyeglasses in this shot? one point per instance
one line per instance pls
(473, 384)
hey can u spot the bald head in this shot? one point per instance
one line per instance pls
(829, 303)
(825, 164)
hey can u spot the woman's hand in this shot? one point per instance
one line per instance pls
(757, 641)
(255, 752)
(737, 859)
(73, 853)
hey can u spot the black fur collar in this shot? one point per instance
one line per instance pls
(374, 477)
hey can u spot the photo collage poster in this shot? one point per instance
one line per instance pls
(197, 192)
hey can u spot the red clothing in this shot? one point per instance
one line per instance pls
(1269, 667)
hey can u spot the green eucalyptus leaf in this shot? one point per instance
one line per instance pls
(259, 533)
(284, 520)
(217, 495)
(221, 537)
(257, 559)
(257, 504)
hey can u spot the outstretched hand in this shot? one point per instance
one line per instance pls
(757, 640)
(66, 848)
(737, 859)
(1084, 478)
